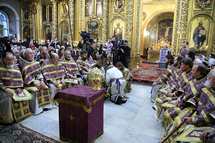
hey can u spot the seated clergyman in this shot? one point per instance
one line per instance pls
(127, 75)
(83, 65)
(34, 83)
(72, 73)
(54, 73)
(10, 81)
(115, 83)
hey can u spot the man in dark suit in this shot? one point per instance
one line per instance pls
(125, 54)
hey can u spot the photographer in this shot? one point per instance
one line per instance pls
(125, 52)
(86, 37)
(101, 52)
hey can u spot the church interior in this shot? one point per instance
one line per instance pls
(148, 26)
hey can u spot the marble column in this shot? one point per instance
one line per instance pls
(18, 29)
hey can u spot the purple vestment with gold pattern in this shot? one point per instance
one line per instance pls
(83, 65)
(70, 66)
(53, 72)
(11, 78)
(165, 76)
(191, 89)
(31, 72)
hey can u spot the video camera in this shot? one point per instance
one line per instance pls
(85, 35)
(121, 44)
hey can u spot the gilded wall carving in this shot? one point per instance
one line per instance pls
(71, 13)
(129, 22)
(119, 6)
(168, 7)
(148, 2)
(105, 21)
(137, 25)
(213, 48)
(203, 4)
(54, 19)
(80, 16)
(176, 28)
(203, 12)
(183, 23)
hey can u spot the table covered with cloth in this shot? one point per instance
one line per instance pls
(80, 113)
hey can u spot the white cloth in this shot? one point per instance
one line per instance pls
(211, 61)
(113, 73)
(5, 108)
(33, 104)
(113, 88)
(154, 93)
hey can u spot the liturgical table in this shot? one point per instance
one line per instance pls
(80, 113)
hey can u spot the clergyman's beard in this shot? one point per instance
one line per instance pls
(68, 59)
(208, 83)
(9, 66)
(56, 63)
(84, 59)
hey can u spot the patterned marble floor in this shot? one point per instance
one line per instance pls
(132, 122)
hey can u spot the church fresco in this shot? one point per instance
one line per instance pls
(165, 29)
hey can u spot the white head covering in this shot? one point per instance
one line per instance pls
(198, 61)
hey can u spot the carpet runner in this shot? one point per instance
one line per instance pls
(147, 73)
(17, 133)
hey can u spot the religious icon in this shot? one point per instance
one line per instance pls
(199, 35)
(64, 31)
(93, 28)
(48, 33)
(88, 8)
(65, 9)
(119, 3)
(99, 4)
(26, 32)
(118, 32)
(165, 29)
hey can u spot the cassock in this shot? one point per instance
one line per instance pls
(31, 73)
(183, 79)
(161, 81)
(128, 77)
(115, 83)
(10, 110)
(71, 70)
(84, 67)
(186, 93)
(53, 73)
(205, 114)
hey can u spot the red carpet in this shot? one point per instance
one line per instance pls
(146, 73)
